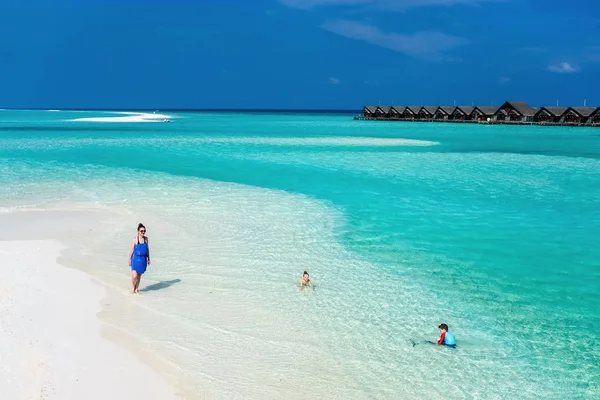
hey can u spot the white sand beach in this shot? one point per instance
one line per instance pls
(50, 341)
(127, 117)
(196, 324)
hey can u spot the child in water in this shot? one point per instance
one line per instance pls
(446, 338)
(305, 281)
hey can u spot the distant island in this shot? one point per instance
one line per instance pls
(511, 112)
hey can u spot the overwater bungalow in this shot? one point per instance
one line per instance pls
(461, 113)
(515, 111)
(383, 112)
(369, 111)
(396, 112)
(426, 112)
(443, 113)
(549, 114)
(510, 112)
(482, 113)
(577, 115)
(411, 112)
(594, 117)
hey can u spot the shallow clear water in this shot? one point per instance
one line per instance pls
(490, 229)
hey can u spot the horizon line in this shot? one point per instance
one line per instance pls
(282, 110)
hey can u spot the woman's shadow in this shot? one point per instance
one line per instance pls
(160, 285)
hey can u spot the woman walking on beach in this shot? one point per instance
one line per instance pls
(139, 257)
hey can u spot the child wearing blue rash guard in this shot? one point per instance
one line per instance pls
(446, 338)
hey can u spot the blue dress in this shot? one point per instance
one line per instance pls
(139, 258)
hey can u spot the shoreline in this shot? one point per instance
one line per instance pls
(201, 353)
(51, 332)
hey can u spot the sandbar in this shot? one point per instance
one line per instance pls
(126, 117)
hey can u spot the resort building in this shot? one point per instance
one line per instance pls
(369, 111)
(549, 114)
(483, 113)
(383, 112)
(577, 115)
(443, 112)
(396, 112)
(426, 112)
(411, 112)
(594, 117)
(461, 113)
(515, 112)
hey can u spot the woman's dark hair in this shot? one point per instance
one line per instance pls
(305, 273)
(443, 326)
(140, 226)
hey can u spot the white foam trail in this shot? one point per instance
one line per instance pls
(127, 117)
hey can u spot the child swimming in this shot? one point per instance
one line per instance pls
(446, 338)
(305, 281)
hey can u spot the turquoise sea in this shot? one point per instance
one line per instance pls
(491, 229)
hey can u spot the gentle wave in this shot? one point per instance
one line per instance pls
(326, 141)
(344, 141)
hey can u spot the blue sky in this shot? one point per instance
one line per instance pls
(297, 54)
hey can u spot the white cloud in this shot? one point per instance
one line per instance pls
(563, 67)
(333, 81)
(425, 44)
(384, 4)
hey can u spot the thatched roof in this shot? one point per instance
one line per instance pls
(518, 106)
(464, 109)
(446, 109)
(521, 107)
(554, 111)
(486, 110)
(429, 109)
(582, 111)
